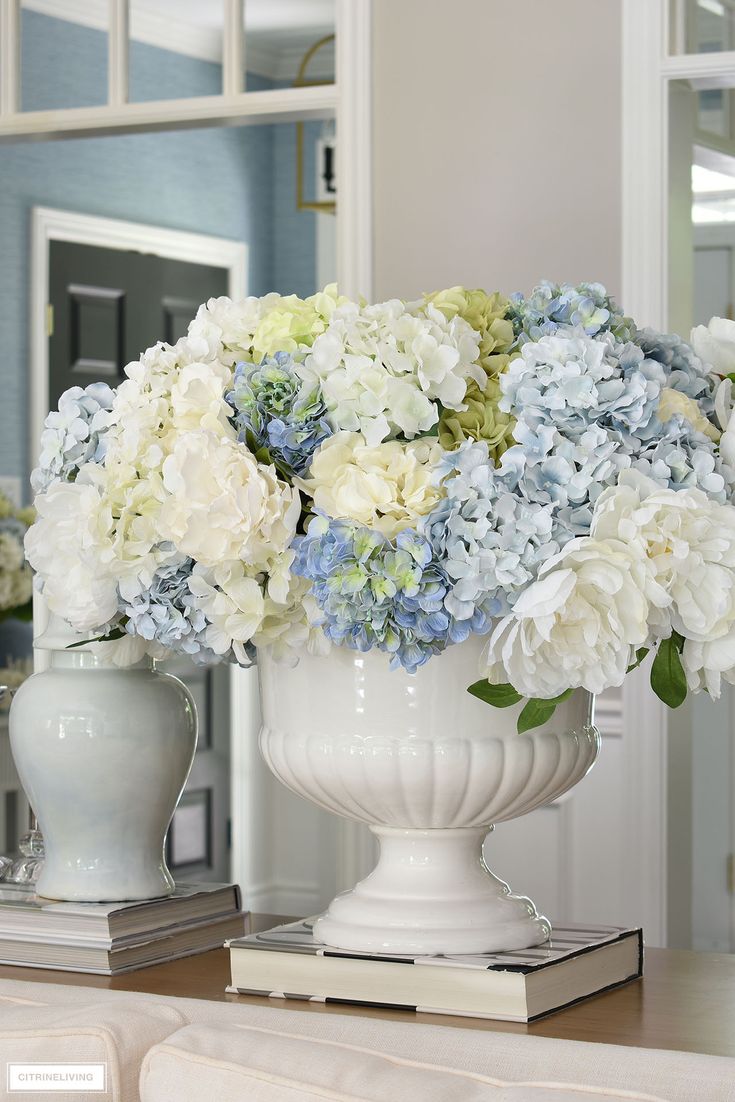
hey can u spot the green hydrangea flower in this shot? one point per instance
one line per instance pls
(293, 324)
(487, 314)
(482, 420)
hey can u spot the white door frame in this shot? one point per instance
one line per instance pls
(648, 67)
(48, 224)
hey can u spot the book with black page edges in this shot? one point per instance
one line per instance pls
(578, 962)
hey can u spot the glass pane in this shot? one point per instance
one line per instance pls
(701, 747)
(702, 26)
(715, 111)
(289, 43)
(63, 63)
(175, 49)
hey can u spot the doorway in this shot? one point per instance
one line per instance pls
(102, 291)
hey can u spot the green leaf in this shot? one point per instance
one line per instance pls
(500, 696)
(111, 637)
(668, 679)
(640, 654)
(537, 712)
(534, 713)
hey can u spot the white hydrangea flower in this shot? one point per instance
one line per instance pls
(227, 327)
(234, 604)
(70, 546)
(689, 541)
(197, 399)
(387, 486)
(382, 369)
(715, 344)
(16, 578)
(292, 624)
(242, 611)
(577, 625)
(221, 504)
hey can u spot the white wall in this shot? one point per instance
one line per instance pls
(497, 148)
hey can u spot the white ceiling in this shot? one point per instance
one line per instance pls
(260, 15)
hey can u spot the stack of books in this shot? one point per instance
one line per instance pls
(109, 938)
(578, 961)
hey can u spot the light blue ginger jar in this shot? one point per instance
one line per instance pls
(103, 754)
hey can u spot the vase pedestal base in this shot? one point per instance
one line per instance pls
(431, 893)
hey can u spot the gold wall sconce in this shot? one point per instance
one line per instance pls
(328, 168)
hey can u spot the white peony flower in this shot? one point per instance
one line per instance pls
(715, 344)
(70, 546)
(577, 625)
(386, 487)
(706, 664)
(689, 541)
(222, 504)
(382, 369)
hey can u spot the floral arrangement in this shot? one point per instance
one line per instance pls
(16, 577)
(302, 473)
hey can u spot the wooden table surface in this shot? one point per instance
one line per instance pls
(685, 1001)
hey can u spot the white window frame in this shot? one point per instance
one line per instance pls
(233, 106)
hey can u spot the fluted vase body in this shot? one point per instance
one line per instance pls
(430, 769)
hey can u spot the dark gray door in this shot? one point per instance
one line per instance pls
(108, 306)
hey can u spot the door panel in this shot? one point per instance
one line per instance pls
(109, 305)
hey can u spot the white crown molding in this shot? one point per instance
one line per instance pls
(204, 43)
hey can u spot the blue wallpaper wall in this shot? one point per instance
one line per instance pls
(237, 183)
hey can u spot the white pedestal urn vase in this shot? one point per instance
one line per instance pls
(103, 754)
(430, 769)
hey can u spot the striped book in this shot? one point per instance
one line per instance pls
(578, 962)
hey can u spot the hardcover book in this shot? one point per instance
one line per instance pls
(578, 961)
(27, 915)
(109, 938)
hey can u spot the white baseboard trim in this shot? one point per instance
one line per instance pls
(285, 898)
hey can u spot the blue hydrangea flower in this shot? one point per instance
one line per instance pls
(587, 408)
(681, 461)
(74, 434)
(680, 367)
(376, 592)
(551, 305)
(274, 409)
(489, 539)
(166, 611)
(569, 382)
